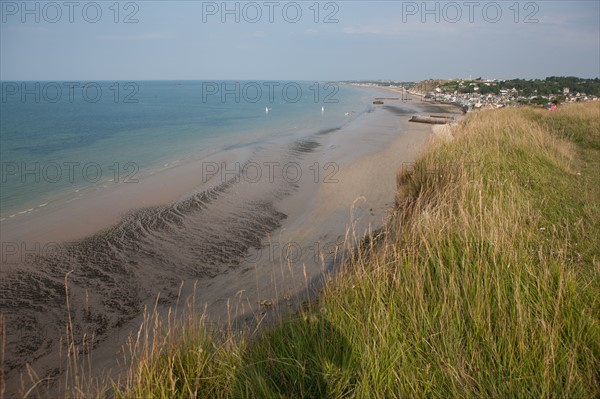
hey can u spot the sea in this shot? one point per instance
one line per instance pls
(58, 139)
(61, 139)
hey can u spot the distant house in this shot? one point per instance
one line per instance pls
(566, 90)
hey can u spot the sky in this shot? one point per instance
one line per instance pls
(302, 40)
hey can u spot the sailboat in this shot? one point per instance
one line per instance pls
(266, 110)
(322, 110)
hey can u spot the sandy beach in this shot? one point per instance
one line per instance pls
(236, 242)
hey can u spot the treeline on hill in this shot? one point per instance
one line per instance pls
(552, 85)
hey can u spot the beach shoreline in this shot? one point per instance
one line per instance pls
(350, 183)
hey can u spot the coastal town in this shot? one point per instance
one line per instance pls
(481, 94)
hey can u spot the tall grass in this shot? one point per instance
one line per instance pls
(484, 284)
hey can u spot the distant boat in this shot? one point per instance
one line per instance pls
(267, 109)
(322, 110)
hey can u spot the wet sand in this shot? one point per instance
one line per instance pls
(95, 210)
(234, 241)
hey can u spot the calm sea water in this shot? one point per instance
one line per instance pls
(57, 138)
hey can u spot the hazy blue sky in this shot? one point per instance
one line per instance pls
(364, 40)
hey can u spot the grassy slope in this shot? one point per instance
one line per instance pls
(485, 284)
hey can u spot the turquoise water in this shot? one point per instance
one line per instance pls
(57, 138)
